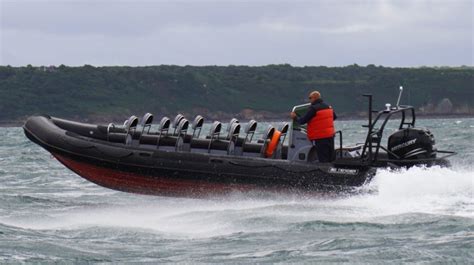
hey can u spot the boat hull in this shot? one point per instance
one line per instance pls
(143, 183)
(157, 172)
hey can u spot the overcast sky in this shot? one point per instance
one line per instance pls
(333, 33)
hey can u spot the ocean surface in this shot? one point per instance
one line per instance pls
(420, 215)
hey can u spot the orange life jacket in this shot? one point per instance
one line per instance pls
(321, 125)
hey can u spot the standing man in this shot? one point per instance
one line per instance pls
(320, 119)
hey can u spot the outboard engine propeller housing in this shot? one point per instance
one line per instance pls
(411, 143)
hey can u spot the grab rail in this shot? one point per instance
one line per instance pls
(340, 142)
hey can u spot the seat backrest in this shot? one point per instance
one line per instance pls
(250, 130)
(231, 126)
(126, 127)
(231, 122)
(268, 134)
(197, 125)
(214, 133)
(147, 119)
(176, 121)
(163, 131)
(117, 137)
(146, 122)
(181, 129)
(130, 126)
(233, 136)
(164, 125)
(215, 129)
(234, 131)
(110, 127)
(284, 131)
(132, 122)
(267, 137)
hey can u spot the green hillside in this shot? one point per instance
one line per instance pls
(93, 93)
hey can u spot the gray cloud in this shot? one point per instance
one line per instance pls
(395, 33)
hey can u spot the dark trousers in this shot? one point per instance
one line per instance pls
(325, 149)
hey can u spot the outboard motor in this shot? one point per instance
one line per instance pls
(411, 143)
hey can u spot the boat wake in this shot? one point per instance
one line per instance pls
(410, 211)
(432, 190)
(390, 197)
(421, 215)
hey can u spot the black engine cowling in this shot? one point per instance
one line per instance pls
(411, 143)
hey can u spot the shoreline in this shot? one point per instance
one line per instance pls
(9, 124)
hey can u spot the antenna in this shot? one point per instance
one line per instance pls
(399, 97)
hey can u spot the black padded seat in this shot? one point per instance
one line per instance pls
(130, 126)
(232, 137)
(214, 134)
(284, 128)
(197, 125)
(233, 132)
(153, 140)
(266, 137)
(215, 129)
(252, 148)
(250, 128)
(131, 123)
(146, 122)
(111, 128)
(279, 152)
(147, 119)
(232, 121)
(203, 144)
(232, 125)
(117, 137)
(176, 121)
(182, 127)
(164, 125)
(249, 133)
(181, 130)
(195, 143)
(146, 125)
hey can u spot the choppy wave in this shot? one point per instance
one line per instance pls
(47, 214)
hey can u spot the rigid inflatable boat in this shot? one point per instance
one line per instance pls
(173, 158)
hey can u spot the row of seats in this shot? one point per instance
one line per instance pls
(175, 134)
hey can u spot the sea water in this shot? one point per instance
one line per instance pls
(422, 215)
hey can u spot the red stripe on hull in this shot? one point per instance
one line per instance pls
(152, 185)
